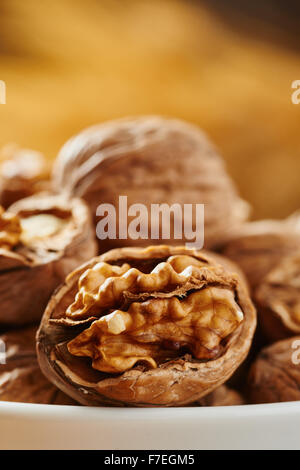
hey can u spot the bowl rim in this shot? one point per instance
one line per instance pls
(29, 411)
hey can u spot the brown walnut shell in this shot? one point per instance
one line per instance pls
(23, 173)
(179, 381)
(151, 160)
(275, 375)
(29, 273)
(278, 300)
(21, 379)
(222, 396)
(257, 247)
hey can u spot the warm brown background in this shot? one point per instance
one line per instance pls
(71, 63)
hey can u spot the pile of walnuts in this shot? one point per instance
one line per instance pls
(142, 321)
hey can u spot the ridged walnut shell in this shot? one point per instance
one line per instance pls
(275, 375)
(175, 382)
(29, 273)
(278, 300)
(151, 160)
(222, 396)
(21, 379)
(258, 247)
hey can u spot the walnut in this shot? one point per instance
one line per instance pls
(159, 326)
(23, 172)
(222, 396)
(119, 340)
(275, 375)
(20, 377)
(43, 238)
(151, 160)
(278, 299)
(257, 247)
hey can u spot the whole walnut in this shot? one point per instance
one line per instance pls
(42, 238)
(275, 375)
(278, 299)
(23, 172)
(258, 247)
(155, 326)
(151, 160)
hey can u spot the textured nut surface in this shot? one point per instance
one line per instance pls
(278, 299)
(222, 396)
(20, 377)
(154, 330)
(56, 235)
(258, 247)
(177, 320)
(275, 375)
(151, 160)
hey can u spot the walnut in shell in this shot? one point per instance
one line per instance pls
(275, 375)
(159, 326)
(23, 172)
(257, 247)
(21, 379)
(222, 396)
(42, 238)
(278, 299)
(150, 160)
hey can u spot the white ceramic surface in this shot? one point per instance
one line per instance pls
(275, 426)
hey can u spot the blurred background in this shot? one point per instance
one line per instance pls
(227, 66)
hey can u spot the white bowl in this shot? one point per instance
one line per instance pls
(274, 426)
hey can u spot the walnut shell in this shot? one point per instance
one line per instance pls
(30, 271)
(275, 375)
(174, 382)
(23, 173)
(21, 379)
(151, 160)
(278, 300)
(257, 247)
(222, 396)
